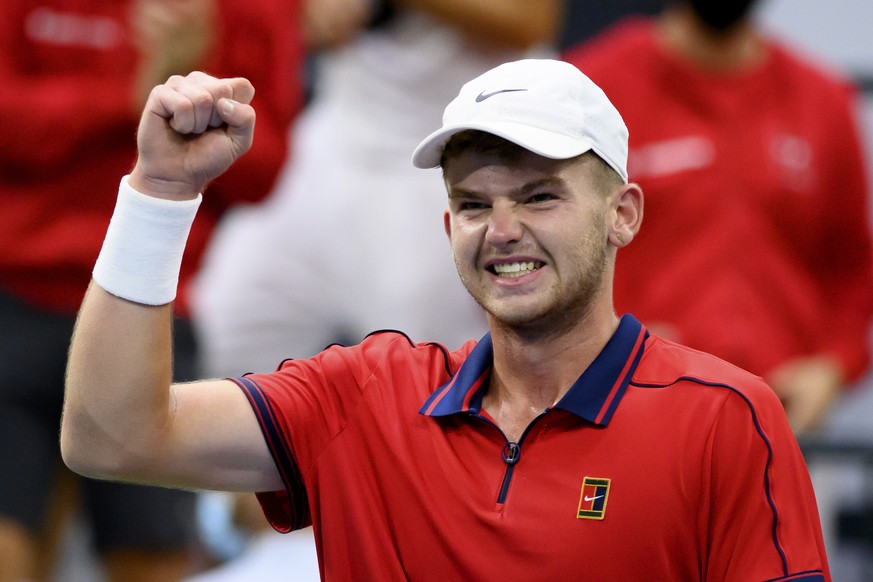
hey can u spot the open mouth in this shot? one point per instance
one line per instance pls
(513, 270)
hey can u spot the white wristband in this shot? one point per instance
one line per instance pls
(142, 251)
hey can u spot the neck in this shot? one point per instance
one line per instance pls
(533, 372)
(681, 33)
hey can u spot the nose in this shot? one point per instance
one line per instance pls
(504, 226)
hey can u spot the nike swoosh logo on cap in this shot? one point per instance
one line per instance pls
(483, 95)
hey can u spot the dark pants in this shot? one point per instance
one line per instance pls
(33, 355)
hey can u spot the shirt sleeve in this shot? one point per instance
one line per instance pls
(300, 408)
(764, 522)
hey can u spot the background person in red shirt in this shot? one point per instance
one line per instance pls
(75, 75)
(757, 246)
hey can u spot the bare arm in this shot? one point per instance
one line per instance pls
(808, 387)
(122, 417)
(173, 38)
(519, 23)
(332, 23)
(513, 23)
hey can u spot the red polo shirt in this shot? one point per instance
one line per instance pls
(660, 463)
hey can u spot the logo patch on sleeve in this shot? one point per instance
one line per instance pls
(592, 500)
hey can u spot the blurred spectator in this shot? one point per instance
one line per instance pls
(264, 553)
(582, 19)
(756, 245)
(76, 74)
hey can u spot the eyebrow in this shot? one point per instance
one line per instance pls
(551, 181)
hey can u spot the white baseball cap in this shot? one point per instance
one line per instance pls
(546, 106)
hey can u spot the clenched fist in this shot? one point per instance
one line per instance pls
(192, 129)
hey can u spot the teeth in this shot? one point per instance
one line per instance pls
(514, 269)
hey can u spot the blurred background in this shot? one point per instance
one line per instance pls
(840, 455)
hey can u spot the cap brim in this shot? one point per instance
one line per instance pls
(542, 142)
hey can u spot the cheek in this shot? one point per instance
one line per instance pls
(462, 246)
(580, 240)
(466, 244)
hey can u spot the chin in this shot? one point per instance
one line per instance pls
(515, 315)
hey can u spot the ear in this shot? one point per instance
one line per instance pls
(447, 224)
(626, 215)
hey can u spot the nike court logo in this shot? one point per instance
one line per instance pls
(587, 499)
(483, 95)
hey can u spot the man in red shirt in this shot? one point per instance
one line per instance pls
(75, 75)
(757, 246)
(566, 443)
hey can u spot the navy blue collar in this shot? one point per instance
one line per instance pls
(594, 396)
